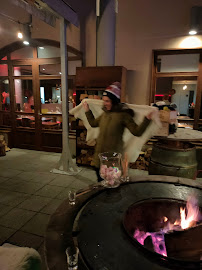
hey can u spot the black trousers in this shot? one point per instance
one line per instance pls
(97, 170)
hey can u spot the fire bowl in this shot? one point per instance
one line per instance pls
(95, 225)
(149, 221)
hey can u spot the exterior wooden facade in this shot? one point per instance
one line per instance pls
(38, 129)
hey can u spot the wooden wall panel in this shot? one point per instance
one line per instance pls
(99, 77)
(25, 139)
(52, 140)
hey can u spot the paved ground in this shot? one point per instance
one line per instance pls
(29, 194)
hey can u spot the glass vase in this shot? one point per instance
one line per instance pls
(110, 169)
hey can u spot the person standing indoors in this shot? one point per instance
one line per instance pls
(115, 118)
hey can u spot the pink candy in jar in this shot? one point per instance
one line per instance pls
(110, 174)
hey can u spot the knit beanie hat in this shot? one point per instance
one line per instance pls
(113, 92)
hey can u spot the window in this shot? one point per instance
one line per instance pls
(184, 94)
(24, 96)
(5, 95)
(22, 70)
(52, 69)
(27, 121)
(51, 122)
(48, 52)
(4, 70)
(175, 80)
(24, 53)
(50, 92)
(178, 63)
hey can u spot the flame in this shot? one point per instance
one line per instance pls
(176, 223)
(186, 220)
(165, 219)
(192, 213)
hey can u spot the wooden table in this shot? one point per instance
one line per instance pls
(47, 125)
(184, 134)
(50, 125)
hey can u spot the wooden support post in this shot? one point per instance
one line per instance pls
(66, 164)
(197, 109)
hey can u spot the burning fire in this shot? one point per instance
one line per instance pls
(165, 219)
(193, 213)
(189, 216)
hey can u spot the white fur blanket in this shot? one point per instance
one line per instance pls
(19, 258)
(132, 144)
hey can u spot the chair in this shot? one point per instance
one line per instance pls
(25, 122)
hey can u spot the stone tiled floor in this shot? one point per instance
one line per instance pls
(29, 194)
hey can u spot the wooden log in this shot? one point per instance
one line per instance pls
(148, 243)
(2, 150)
(185, 244)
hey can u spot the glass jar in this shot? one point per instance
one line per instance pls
(110, 169)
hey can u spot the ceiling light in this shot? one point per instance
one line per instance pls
(26, 42)
(185, 87)
(20, 35)
(191, 42)
(60, 73)
(26, 33)
(43, 69)
(41, 48)
(192, 32)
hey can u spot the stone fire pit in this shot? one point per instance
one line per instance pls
(95, 225)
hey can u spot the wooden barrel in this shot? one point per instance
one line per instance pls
(173, 159)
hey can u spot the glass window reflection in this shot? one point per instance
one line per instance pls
(51, 69)
(51, 122)
(50, 92)
(178, 63)
(22, 70)
(4, 95)
(27, 121)
(24, 96)
(4, 70)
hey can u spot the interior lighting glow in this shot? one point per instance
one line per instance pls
(26, 42)
(185, 87)
(60, 73)
(20, 35)
(191, 42)
(161, 95)
(192, 32)
(41, 48)
(43, 69)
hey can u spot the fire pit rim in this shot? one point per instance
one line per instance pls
(171, 148)
(55, 236)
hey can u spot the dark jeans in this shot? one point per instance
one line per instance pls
(97, 170)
